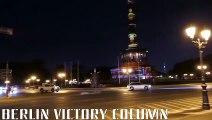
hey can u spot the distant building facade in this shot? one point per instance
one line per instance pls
(132, 63)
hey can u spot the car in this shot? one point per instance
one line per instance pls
(48, 87)
(2, 90)
(138, 86)
(13, 90)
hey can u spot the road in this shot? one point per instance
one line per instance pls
(182, 101)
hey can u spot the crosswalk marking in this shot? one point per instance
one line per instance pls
(173, 106)
(186, 104)
(170, 107)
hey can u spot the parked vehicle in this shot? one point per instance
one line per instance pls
(47, 87)
(138, 86)
(13, 90)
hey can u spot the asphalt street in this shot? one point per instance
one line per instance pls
(182, 101)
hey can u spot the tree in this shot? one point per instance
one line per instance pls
(190, 65)
(23, 70)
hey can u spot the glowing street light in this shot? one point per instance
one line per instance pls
(204, 67)
(201, 42)
(7, 82)
(38, 80)
(208, 73)
(206, 34)
(47, 81)
(27, 82)
(191, 74)
(127, 71)
(185, 74)
(33, 77)
(61, 76)
(66, 82)
(191, 32)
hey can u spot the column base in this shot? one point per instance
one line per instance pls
(206, 106)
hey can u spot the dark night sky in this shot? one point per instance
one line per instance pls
(95, 31)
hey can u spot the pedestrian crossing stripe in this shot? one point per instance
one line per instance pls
(173, 106)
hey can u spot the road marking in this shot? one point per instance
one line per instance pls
(90, 93)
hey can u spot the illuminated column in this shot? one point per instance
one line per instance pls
(132, 25)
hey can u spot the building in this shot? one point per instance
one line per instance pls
(132, 62)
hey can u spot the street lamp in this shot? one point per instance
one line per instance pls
(204, 67)
(201, 42)
(61, 76)
(38, 80)
(33, 77)
(208, 73)
(7, 82)
(127, 71)
(66, 82)
(27, 82)
(47, 81)
(55, 80)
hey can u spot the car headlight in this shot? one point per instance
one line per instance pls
(13, 92)
(15, 88)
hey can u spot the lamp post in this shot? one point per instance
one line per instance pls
(201, 42)
(47, 81)
(7, 82)
(127, 71)
(61, 76)
(204, 67)
(66, 82)
(55, 80)
(33, 77)
(208, 73)
(27, 82)
(38, 80)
